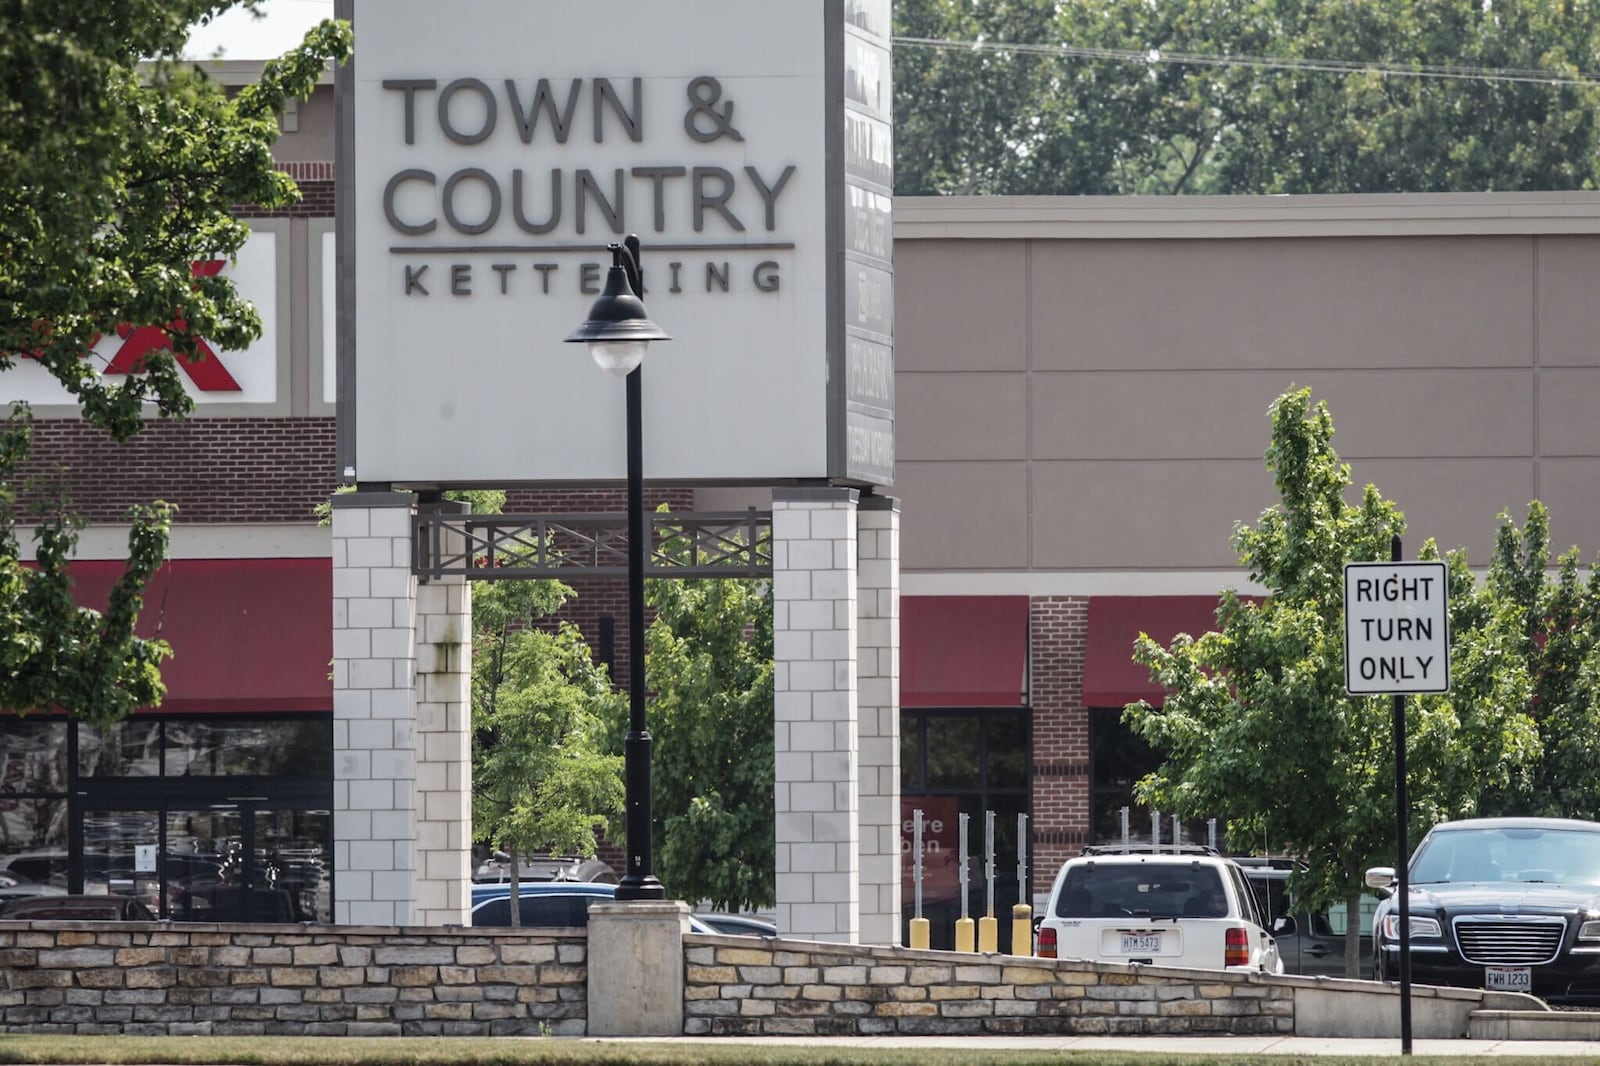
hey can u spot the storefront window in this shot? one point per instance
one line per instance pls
(954, 763)
(33, 755)
(953, 754)
(33, 802)
(33, 840)
(260, 748)
(1118, 758)
(1006, 746)
(130, 748)
(152, 807)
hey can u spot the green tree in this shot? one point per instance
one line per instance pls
(710, 672)
(1557, 625)
(119, 170)
(542, 778)
(1229, 96)
(54, 653)
(1256, 726)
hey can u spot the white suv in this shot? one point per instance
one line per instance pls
(1190, 908)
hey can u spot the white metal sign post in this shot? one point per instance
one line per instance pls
(1397, 641)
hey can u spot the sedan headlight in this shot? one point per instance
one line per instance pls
(1420, 927)
(1589, 930)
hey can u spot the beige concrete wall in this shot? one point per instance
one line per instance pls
(1083, 383)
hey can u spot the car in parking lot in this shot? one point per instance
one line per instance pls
(1316, 947)
(496, 867)
(75, 909)
(565, 904)
(1189, 907)
(737, 924)
(1508, 904)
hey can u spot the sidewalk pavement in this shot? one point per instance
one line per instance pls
(1202, 1045)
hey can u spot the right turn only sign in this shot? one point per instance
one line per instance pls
(1396, 628)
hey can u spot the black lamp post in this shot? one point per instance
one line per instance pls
(617, 332)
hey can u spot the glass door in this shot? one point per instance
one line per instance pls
(237, 859)
(292, 864)
(241, 862)
(202, 863)
(121, 855)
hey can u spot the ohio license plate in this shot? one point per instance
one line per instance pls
(1140, 943)
(1508, 979)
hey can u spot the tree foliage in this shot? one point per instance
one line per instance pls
(1244, 96)
(542, 778)
(119, 169)
(1256, 725)
(1556, 622)
(54, 653)
(710, 675)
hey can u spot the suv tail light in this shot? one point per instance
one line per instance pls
(1047, 942)
(1236, 947)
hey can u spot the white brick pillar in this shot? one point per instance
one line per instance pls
(878, 700)
(815, 735)
(374, 723)
(444, 748)
(402, 740)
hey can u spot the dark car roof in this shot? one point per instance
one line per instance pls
(75, 908)
(487, 890)
(485, 907)
(1259, 863)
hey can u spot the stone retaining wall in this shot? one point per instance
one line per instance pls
(773, 987)
(159, 979)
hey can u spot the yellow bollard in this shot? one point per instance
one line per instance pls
(988, 934)
(919, 933)
(964, 931)
(1022, 929)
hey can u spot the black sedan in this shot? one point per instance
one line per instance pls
(1508, 904)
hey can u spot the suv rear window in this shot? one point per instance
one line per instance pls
(1098, 890)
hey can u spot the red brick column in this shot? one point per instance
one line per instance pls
(1059, 635)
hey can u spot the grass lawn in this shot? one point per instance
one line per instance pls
(488, 1051)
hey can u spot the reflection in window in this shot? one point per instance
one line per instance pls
(33, 755)
(130, 748)
(1118, 758)
(119, 854)
(955, 762)
(1008, 751)
(286, 747)
(33, 840)
(953, 753)
(911, 754)
(1337, 919)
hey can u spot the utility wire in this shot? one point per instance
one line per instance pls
(1335, 66)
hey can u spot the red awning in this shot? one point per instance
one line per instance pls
(963, 651)
(246, 634)
(1110, 676)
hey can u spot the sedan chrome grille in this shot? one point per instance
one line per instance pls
(1496, 940)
